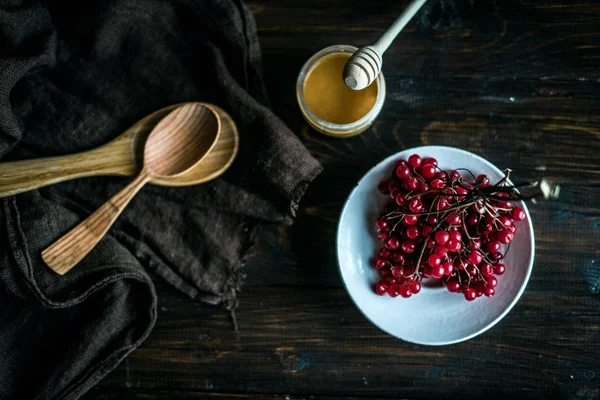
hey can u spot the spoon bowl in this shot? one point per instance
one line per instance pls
(174, 145)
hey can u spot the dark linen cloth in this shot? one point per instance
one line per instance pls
(74, 75)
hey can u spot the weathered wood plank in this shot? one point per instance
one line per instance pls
(306, 341)
(145, 394)
(467, 38)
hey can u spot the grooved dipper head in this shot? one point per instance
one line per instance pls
(362, 68)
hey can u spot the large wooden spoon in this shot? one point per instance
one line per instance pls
(179, 142)
(121, 156)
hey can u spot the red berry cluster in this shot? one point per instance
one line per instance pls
(441, 226)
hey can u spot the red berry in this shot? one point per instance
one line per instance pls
(483, 181)
(436, 184)
(441, 176)
(383, 187)
(432, 219)
(493, 246)
(448, 268)
(380, 263)
(429, 161)
(383, 236)
(401, 200)
(518, 213)
(470, 294)
(488, 291)
(486, 270)
(455, 235)
(402, 172)
(454, 245)
(410, 220)
(395, 192)
(400, 162)
(393, 184)
(471, 270)
(398, 257)
(499, 269)
(492, 281)
(404, 291)
(461, 190)
(427, 171)
(457, 220)
(422, 188)
(393, 243)
(454, 175)
(408, 246)
(397, 271)
(393, 290)
(382, 224)
(452, 285)
(434, 260)
(441, 251)
(506, 221)
(437, 271)
(412, 232)
(460, 264)
(497, 256)
(472, 219)
(426, 230)
(475, 258)
(415, 205)
(442, 237)
(384, 253)
(441, 204)
(475, 244)
(410, 183)
(415, 287)
(381, 288)
(505, 236)
(414, 161)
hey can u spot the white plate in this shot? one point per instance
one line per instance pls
(434, 316)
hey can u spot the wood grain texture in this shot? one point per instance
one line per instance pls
(122, 156)
(514, 81)
(176, 144)
(66, 252)
(312, 341)
(135, 394)
(181, 140)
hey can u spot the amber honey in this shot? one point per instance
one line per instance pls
(329, 98)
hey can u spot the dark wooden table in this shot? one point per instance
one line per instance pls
(517, 82)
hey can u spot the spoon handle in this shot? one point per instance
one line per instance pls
(114, 158)
(388, 36)
(67, 251)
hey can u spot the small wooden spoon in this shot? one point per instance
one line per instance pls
(178, 143)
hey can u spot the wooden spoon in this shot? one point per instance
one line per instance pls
(178, 143)
(121, 156)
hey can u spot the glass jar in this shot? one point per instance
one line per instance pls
(327, 127)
